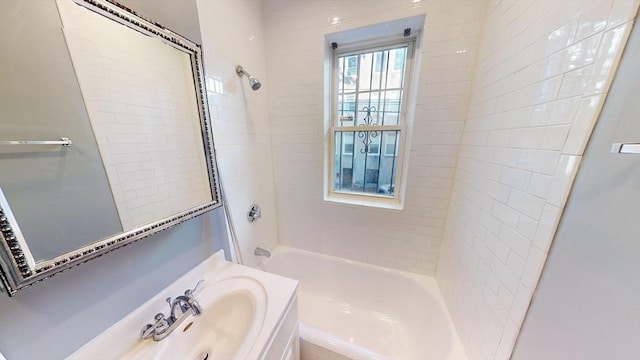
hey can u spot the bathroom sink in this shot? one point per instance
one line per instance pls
(233, 312)
(240, 309)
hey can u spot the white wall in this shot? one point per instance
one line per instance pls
(543, 71)
(233, 34)
(408, 239)
(586, 304)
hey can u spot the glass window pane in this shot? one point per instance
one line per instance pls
(360, 167)
(396, 77)
(389, 162)
(391, 107)
(390, 143)
(379, 61)
(352, 65)
(379, 76)
(350, 74)
(374, 101)
(398, 56)
(343, 161)
(377, 86)
(347, 139)
(346, 109)
(364, 78)
(361, 112)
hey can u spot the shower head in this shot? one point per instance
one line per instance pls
(255, 83)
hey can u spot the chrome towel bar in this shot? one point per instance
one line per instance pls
(63, 141)
(628, 148)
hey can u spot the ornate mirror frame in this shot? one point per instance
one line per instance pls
(18, 270)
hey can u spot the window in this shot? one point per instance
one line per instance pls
(368, 123)
(370, 81)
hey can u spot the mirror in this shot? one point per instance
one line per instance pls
(104, 135)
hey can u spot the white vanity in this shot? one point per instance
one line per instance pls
(245, 314)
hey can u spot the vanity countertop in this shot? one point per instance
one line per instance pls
(124, 335)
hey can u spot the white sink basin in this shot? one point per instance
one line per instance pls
(233, 312)
(241, 307)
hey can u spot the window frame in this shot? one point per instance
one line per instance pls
(403, 127)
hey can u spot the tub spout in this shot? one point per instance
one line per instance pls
(262, 252)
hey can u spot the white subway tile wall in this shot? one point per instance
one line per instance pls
(148, 132)
(408, 239)
(543, 71)
(233, 34)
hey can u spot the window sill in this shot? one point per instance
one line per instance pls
(381, 202)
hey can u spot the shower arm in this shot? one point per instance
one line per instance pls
(241, 71)
(255, 83)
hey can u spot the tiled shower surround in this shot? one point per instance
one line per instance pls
(240, 116)
(408, 239)
(542, 70)
(508, 94)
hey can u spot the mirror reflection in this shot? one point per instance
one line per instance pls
(130, 106)
(141, 102)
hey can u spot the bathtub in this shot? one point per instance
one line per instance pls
(360, 311)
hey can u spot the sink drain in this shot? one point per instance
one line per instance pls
(203, 356)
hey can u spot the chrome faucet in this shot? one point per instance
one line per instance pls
(182, 304)
(180, 309)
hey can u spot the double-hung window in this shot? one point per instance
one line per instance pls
(368, 130)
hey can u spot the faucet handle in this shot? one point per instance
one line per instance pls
(160, 325)
(147, 331)
(190, 292)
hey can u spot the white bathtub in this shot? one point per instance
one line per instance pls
(362, 311)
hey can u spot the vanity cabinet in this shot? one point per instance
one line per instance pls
(286, 343)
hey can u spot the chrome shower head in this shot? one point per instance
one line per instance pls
(253, 82)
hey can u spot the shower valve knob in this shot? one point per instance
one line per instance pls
(254, 213)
